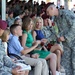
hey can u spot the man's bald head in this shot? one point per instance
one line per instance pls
(51, 9)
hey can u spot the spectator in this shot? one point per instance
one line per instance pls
(33, 16)
(10, 19)
(50, 31)
(18, 21)
(21, 14)
(4, 38)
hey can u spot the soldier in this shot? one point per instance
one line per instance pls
(7, 67)
(65, 20)
(50, 32)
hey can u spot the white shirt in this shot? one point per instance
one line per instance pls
(5, 46)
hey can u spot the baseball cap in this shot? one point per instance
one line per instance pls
(3, 24)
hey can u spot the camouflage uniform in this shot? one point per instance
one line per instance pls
(51, 33)
(6, 64)
(47, 33)
(66, 26)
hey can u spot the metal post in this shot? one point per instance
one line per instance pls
(62, 2)
(3, 9)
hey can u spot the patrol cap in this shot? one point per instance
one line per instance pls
(3, 24)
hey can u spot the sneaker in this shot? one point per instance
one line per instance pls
(58, 73)
(62, 70)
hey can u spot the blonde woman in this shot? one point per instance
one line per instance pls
(37, 33)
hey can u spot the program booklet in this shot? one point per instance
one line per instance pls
(23, 66)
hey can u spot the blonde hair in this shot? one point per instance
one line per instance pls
(36, 20)
(4, 35)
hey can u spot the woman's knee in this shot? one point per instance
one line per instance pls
(58, 52)
(53, 56)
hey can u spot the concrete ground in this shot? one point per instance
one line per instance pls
(31, 73)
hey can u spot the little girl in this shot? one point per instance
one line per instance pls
(5, 37)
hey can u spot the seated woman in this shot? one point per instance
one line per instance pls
(38, 35)
(28, 41)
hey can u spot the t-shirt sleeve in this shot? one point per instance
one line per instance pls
(18, 46)
(15, 45)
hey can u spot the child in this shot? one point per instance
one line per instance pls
(4, 38)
